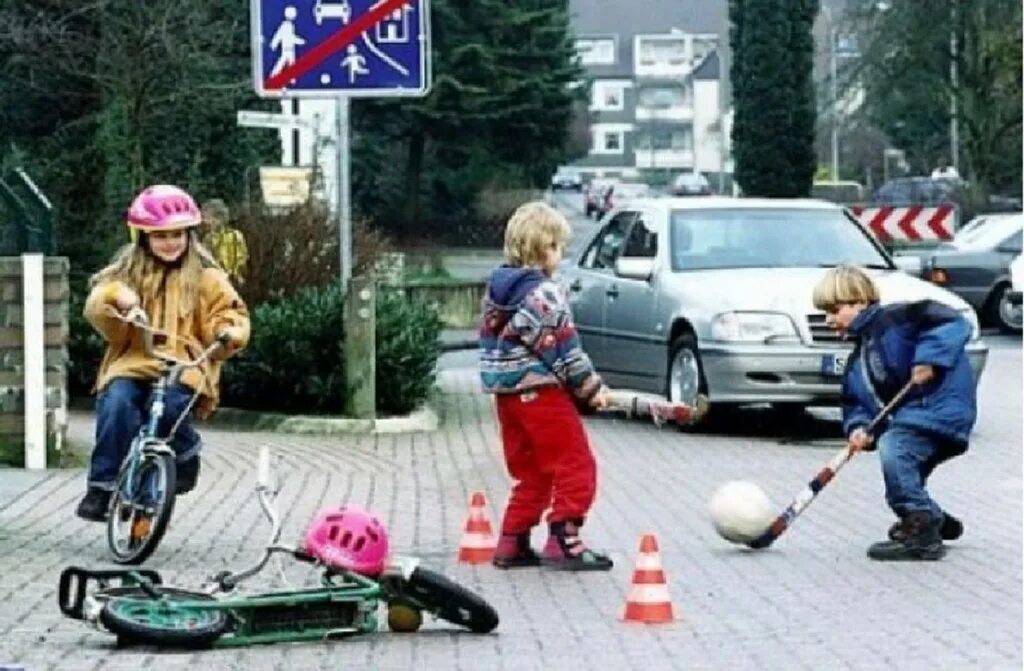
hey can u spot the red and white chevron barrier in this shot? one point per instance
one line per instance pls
(913, 223)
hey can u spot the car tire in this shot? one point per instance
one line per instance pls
(1001, 312)
(685, 377)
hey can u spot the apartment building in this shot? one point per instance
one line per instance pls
(659, 86)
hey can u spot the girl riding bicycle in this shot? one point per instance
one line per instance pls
(169, 275)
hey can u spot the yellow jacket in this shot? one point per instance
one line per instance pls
(228, 246)
(218, 306)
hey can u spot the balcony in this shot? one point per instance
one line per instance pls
(664, 158)
(677, 113)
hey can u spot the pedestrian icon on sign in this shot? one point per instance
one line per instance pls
(286, 39)
(355, 63)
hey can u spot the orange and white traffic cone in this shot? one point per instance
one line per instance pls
(648, 601)
(478, 539)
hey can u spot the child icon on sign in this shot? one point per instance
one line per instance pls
(355, 63)
(286, 39)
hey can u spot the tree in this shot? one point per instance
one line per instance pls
(906, 69)
(773, 94)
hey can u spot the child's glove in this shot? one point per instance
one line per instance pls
(600, 399)
(922, 373)
(230, 337)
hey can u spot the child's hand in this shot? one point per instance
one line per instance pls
(860, 440)
(600, 399)
(125, 299)
(230, 337)
(922, 373)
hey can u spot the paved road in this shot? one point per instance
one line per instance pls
(813, 601)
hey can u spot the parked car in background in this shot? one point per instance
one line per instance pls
(841, 192)
(678, 296)
(1016, 295)
(975, 265)
(919, 191)
(621, 193)
(567, 178)
(594, 194)
(690, 184)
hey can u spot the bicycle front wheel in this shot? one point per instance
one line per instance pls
(140, 508)
(450, 601)
(138, 618)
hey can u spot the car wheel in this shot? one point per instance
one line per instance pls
(1003, 313)
(685, 373)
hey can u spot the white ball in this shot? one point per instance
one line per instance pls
(741, 511)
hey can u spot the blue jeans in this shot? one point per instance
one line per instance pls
(908, 457)
(121, 409)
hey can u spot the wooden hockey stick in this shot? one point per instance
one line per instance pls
(656, 409)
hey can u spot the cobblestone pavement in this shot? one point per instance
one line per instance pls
(812, 601)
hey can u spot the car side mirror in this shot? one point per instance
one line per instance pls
(634, 267)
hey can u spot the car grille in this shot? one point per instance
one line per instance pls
(821, 334)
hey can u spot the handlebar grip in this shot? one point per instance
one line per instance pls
(263, 468)
(224, 338)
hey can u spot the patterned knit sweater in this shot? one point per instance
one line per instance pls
(527, 337)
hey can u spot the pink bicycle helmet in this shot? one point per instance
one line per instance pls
(348, 538)
(163, 207)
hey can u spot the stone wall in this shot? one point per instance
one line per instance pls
(12, 397)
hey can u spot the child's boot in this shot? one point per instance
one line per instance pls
(950, 530)
(918, 538)
(93, 506)
(514, 551)
(566, 551)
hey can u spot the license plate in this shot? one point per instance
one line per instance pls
(833, 365)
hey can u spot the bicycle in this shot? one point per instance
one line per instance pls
(139, 609)
(143, 499)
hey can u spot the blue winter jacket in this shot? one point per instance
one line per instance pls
(890, 341)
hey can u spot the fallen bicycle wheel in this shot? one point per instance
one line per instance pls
(450, 601)
(137, 617)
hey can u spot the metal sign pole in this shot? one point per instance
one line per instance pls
(343, 200)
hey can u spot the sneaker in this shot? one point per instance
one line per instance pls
(951, 529)
(188, 476)
(566, 551)
(94, 506)
(514, 551)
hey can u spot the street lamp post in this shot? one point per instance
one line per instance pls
(835, 99)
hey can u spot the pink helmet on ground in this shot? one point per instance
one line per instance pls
(348, 538)
(163, 207)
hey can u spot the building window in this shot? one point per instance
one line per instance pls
(662, 97)
(596, 51)
(607, 96)
(613, 142)
(665, 139)
(661, 52)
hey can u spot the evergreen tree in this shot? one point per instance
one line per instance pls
(773, 94)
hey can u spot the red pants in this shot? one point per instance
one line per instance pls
(548, 457)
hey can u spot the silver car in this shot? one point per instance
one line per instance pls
(677, 296)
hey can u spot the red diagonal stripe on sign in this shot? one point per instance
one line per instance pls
(334, 43)
(939, 222)
(906, 222)
(877, 221)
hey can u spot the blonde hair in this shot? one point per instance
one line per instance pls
(532, 229)
(136, 266)
(844, 285)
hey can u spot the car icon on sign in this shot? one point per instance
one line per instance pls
(332, 9)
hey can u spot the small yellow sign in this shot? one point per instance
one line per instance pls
(285, 186)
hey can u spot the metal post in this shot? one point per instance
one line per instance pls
(954, 130)
(343, 205)
(34, 361)
(835, 102)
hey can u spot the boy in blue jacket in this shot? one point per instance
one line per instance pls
(924, 342)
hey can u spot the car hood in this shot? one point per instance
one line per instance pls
(789, 289)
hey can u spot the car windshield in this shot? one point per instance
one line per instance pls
(987, 233)
(769, 238)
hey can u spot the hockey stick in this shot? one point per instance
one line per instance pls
(656, 409)
(824, 476)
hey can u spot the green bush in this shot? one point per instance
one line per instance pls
(295, 360)
(407, 351)
(85, 349)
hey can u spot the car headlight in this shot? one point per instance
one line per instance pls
(753, 327)
(972, 318)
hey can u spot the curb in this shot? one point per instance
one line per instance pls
(419, 421)
(459, 345)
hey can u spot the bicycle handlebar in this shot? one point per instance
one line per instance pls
(137, 317)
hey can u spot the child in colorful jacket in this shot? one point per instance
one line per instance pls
(167, 273)
(531, 360)
(894, 344)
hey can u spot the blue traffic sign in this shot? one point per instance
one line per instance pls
(331, 48)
